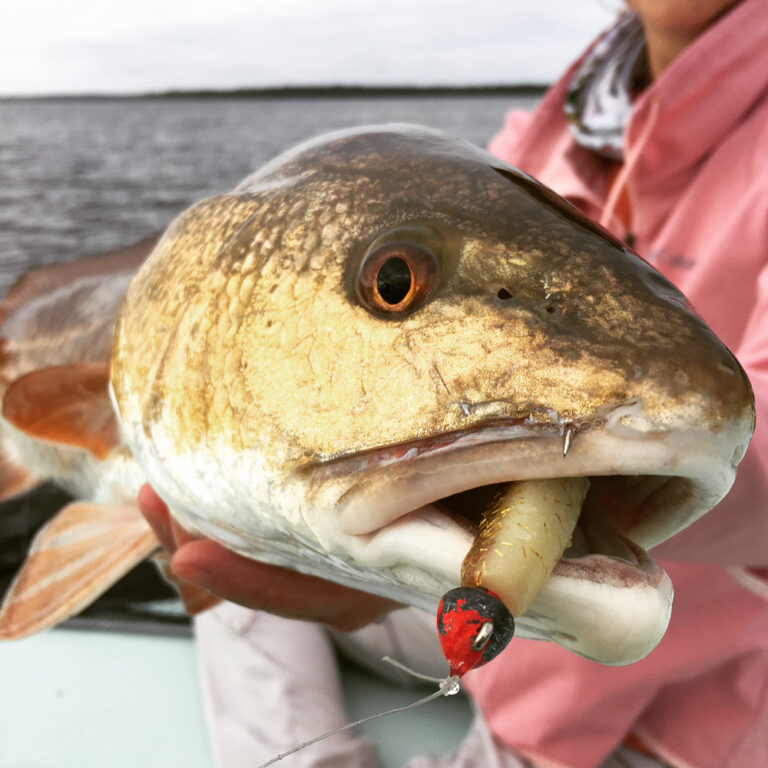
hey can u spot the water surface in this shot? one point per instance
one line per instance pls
(82, 176)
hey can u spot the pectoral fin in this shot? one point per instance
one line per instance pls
(66, 404)
(76, 557)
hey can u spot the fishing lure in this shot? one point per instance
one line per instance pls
(474, 627)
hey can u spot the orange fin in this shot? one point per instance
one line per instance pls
(195, 599)
(75, 558)
(66, 404)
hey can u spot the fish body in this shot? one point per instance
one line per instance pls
(335, 366)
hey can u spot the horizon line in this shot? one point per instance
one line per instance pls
(500, 89)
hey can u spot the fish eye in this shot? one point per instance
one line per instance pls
(397, 278)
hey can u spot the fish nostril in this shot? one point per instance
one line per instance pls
(550, 309)
(504, 295)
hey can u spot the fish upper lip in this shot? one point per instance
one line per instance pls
(495, 429)
(389, 482)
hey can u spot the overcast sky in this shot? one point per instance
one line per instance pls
(49, 47)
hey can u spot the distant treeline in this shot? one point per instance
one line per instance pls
(322, 91)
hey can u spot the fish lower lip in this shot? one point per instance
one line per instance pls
(611, 606)
(606, 598)
(611, 609)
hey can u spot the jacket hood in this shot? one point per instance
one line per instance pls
(691, 110)
(705, 92)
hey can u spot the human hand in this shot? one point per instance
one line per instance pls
(257, 585)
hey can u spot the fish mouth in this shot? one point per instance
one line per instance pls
(415, 508)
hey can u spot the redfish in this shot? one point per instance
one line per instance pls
(390, 360)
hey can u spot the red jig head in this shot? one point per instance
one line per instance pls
(474, 627)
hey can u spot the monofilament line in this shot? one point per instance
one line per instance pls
(399, 664)
(448, 686)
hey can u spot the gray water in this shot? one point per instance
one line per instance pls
(78, 177)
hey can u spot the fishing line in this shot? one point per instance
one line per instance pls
(446, 686)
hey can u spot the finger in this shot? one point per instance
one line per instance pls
(180, 535)
(150, 502)
(276, 590)
(156, 514)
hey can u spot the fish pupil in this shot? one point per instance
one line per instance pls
(394, 280)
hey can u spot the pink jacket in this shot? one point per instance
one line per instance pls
(696, 172)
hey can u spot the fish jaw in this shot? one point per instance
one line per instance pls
(376, 521)
(606, 598)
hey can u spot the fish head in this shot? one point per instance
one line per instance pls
(335, 367)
